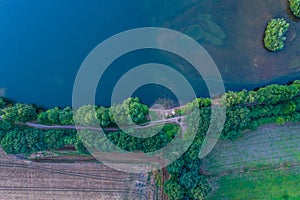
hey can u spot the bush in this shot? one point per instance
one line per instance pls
(173, 190)
(66, 116)
(23, 140)
(274, 34)
(128, 112)
(43, 118)
(53, 115)
(55, 138)
(280, 120)
(19, 113)
(5, 125)
(295, 7)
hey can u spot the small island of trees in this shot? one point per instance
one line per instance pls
(275, 34)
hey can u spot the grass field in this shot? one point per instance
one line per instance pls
(262, 184)
(268, 145)
(260, 165)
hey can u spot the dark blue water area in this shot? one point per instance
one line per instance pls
(153, 93)
(149, 93)
(43, 43)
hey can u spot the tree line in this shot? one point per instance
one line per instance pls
(277, 104)
(244, 110)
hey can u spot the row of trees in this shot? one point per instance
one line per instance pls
(18, 139)
(186, 180)
(14, 136)
(245, 110)
(132, 111)
(21, 140)
(93, 139)
(56, 116)
(19, 113)
(126, 113)
(129, 112)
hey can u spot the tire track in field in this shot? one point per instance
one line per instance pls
(57, 171)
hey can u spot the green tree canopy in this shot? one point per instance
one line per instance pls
(53, 115)
(130, 110)
(173, 190)
(274, 34)
(295, 7)
(23, 140)
(66, 116)
(43, 118)
(19, 113)
(86, 115)
(103, 117)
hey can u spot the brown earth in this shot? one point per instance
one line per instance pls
(22, 179)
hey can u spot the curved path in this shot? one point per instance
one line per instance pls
(172, 120)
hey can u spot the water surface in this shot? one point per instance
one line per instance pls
(43, 43)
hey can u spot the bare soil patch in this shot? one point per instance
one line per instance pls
(82, 180)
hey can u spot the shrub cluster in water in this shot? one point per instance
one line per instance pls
(274, 34)
(295, 7)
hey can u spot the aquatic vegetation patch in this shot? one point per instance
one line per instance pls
(206, 30)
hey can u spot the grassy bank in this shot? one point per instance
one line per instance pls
(272, 184)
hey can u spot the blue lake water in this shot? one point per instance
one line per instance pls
(43, 43)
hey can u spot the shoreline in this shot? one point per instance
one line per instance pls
(233, 86)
